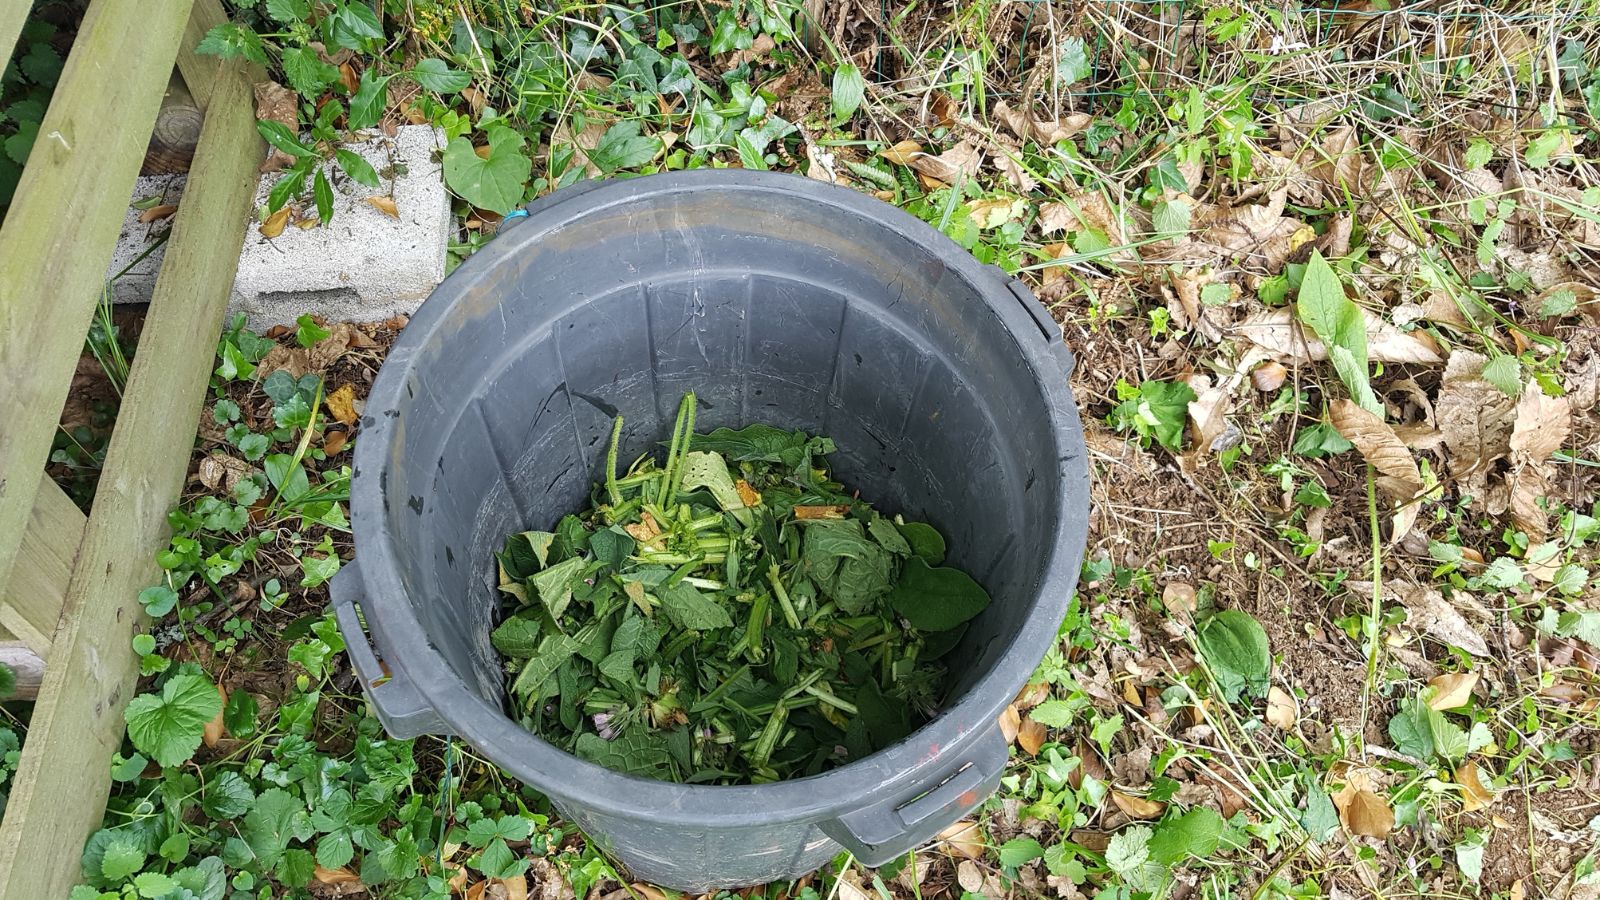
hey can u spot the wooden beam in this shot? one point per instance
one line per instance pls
(13, 13)
(63, 224)
(200, 73)
(31, 605)
(59, 794)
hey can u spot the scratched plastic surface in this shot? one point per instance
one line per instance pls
(777, 300)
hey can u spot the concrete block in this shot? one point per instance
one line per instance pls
(141, 245)
(366, 265)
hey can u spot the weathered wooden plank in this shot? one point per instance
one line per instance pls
(13, 13)
(31, 606)
(62, 225)
(64, 776)
(200, 73)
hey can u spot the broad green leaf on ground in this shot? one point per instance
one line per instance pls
(497, 861)
(1410, 731)
(849, 88)
(1053, 714)
(277, 818)
(1073, 64)
(495, 183)
(1320, 818)
(1336, 321)
(937, 599)
(434, 75)
(623, 146)
(227, 795)
(1234, 648)
(1160, 409)
(1195, 833)
(1015, 852)
(168, 726)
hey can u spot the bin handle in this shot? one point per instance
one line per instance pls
(890, 827)
(1049, 328)
(402, 709)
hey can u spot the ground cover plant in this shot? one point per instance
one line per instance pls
(1329, 274)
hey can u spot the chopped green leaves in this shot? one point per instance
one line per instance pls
(727, 615)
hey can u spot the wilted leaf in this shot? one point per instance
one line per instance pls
(1280, 708)
(1542, 425)
(959, 163)
(1045, 132)
(1364, 812)
(1137, 807)
(385, 205)
(1474, 415)
(1453, 690)
(1475, 795)
(1381, 447)
(213, 729)
(1010, 722)
(1273, 331)
(274, 224)
(994, 212)
(1428, 610)
(157, 213)
(963, 839)
(340, 876)
(903, 153)
(647, 891)
(341, 404)
(1031, 736)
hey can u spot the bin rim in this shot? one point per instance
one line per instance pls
(916, 759)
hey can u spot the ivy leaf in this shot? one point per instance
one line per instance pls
(623, 146)
(495, 182)
(168, 727)
(1234, 647)
(1073, 65)
(434, 75)
(849, 88)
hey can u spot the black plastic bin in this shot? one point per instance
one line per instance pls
(776, 299)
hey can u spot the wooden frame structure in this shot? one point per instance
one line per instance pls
(69, 582)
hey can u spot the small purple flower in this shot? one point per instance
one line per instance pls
(602, 724)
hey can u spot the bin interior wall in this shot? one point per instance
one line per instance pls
(785, 314)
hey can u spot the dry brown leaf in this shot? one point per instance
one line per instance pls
(213, 729)
(477, 891)
(1429, 611)
(157, 213)
(1208, 413)
(1015, 172)
(385, 205)
(1517, 891)
(1381, 447)
(1268, 377)
(968, 875)
(1365, 813)
(345, 876)
(276, 103)
(1137, 807)
(1277, 331)
(903, 153)
(274, 224)
(1010, 721)
(342, 404)
(1031, 695)
(1280, 708)
(649, 891)
(334, 443)
(963, 839)
(1453, 690)
(1031, 736)
(1542, 425)
(1339, 163)
(1475, 795)
(1528, 485)
(1045, 132)
(1180, 597)
(1474, 416)
(820, 512)
(959, 163)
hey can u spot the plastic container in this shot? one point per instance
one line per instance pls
(777, 299)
